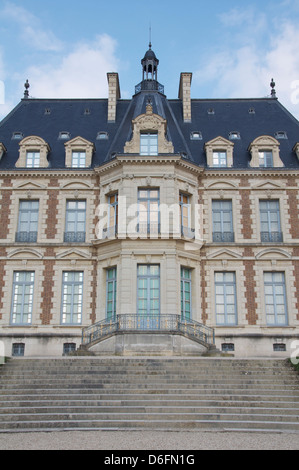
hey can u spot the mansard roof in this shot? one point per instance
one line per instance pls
(248, 118)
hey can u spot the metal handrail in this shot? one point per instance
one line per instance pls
(148, 323)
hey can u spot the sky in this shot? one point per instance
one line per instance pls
(66, 47)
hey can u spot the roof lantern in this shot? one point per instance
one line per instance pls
(149, 73)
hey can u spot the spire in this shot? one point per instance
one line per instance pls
(26, 92)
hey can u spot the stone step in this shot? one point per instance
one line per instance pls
(154, 425)
(131, 409)
(148, 394)
(146, 414)
(7, 405)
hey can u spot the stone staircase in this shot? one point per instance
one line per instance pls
(84, 393)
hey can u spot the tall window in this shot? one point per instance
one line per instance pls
(112, 214)
(275, 299)
(22, 298)
(185, 215)
(266, 158)
(222, 221)
(219, 159)
(72, 298)
(75, 221)
(226, 301)
(148, 211)
(186, 293)
(111, 289)
(149, 143)
(270, 221)
(32, 159)
(78, 159)
(28, 221)
(148, 290)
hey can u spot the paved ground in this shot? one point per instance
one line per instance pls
(146, 440)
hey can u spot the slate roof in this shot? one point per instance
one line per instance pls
(87, 117)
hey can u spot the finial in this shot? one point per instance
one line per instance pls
(150, 36)
(273, 91)
(26, 92)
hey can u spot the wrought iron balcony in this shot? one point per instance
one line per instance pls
(223, 237)
(26, 237)
(149, 85)
(271, 237)
(173, 324)
(74, 237)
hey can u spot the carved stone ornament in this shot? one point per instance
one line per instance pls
(149, 122)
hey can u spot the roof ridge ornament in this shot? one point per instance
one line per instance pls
(26, 92)
(273, 91)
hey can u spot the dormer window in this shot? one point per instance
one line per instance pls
(64, 135)
(196, 135)
(17, 136)
(219, 159)
(280, 135)
(234, 135)
(149, 135)
(149, 143)
(78, 153)
(33, 159)
(102, 136)
(78, 159)
(266, 159)
(33, 153)
(219, 153)
(265, 153)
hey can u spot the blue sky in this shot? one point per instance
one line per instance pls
(65, 48)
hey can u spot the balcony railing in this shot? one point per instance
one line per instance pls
(74, 237)
(149, 85)
(26, 237)
(150, 323)
(271, 237)
(223, 237)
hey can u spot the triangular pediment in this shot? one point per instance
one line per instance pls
(224, 254)
(269, 185)
(30, 185)
(219, 141)
(78, 142)
(73, 254)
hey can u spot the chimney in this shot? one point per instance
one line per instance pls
(185, 95)
(114, 95)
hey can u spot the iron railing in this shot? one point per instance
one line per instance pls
(26, 237)
(271, 237)
(148, 323)
(74, 237)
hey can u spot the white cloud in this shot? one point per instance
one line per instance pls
(80, 74)
(246, 70)
(30, 28)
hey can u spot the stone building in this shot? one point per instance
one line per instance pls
(149, 225)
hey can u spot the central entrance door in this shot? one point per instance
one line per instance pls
(148, 297)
